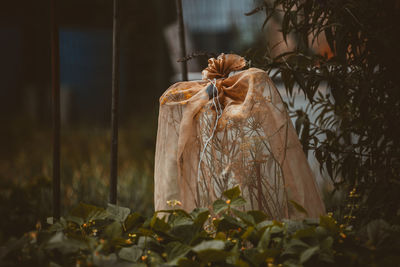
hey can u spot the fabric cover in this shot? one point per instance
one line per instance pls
(243, 136)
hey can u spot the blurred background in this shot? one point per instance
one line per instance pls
(148, 64)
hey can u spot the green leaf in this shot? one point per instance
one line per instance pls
(212, 255)
(212, 244)
(200, 216)
(228, 223)
(258, 215)
(308, 253)
(292, 263)
(265, 239)
(176, 251)
(245, 217)
(327, 243)
(329, 224)
(188, 263)
(178, 220)
(210, 251)
(321, 231)
(180, 212)
(145, 231)
(276, 229)
(118, 213)
(77, 220)
(131, 254)
(256, 256)
(247, 233)
(65, 245)
(238, 202)
(87, 212)
(234, 257)
(184, 232)
(114, 230)
(264, 224)
(232, 193)
(295, 247)
(219, 206)
(133, 220)
(298, 207)
(158, 224)
(149, 243)
(303, 233)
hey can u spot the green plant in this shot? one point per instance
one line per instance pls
(224, 236)
(355, 136)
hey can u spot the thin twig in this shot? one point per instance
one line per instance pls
(197, 54)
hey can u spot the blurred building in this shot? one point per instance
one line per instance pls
(222, 26)
(85, 58)
(214, 26)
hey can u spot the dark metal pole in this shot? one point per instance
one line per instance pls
(114, 106)
(55, 78)
(182, 40)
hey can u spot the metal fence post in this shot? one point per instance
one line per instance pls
(182, 40)
(114, 105)
(55, 78)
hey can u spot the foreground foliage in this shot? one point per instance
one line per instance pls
(225, 236)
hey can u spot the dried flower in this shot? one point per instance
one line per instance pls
(173, 203)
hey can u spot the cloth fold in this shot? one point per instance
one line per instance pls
(254, 145)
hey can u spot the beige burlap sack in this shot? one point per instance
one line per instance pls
(228, 130)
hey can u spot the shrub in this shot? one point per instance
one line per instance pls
(223, 236)
(355, 136)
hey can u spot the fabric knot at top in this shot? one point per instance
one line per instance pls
(222, 66)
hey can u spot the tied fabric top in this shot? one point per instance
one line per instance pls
(222, 66)
(255, 144)
(219, 69)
